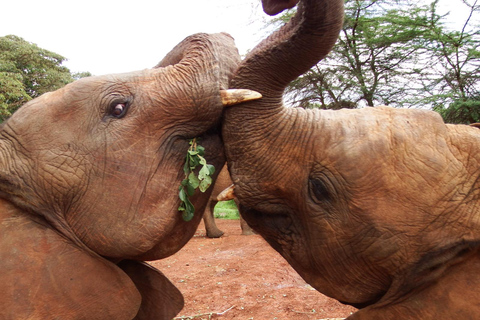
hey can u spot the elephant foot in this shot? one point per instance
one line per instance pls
(215, 234)
(248, 232)
(246, 229)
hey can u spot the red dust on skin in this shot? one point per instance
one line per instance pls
(243, 277)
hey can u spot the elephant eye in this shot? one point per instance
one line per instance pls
(319, 190)
(118, 110)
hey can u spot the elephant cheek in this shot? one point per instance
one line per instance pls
(170, 242)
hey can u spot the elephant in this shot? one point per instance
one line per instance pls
(375, 207)
(89, 182)
(222, 182)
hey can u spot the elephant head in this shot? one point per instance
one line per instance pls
(375, 207)
(89, 179)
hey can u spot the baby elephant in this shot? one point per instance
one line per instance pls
(80, 173)
(378, 208)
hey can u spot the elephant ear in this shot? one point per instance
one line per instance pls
(43, 275)
(160, 298)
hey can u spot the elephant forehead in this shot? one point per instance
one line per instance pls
(87, 99)
(389, 155)
(386, 142)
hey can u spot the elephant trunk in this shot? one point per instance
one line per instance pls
(292, 50)
(214, 53)
(201, 66)
(273, 7)
(256, 129)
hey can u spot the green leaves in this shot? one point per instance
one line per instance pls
(192, 181)
(398, 53)
(461, 111)
(27, 71)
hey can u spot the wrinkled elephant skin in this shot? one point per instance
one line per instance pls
(89, 181)
(377, 207)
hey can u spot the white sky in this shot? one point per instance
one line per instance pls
(107, 36)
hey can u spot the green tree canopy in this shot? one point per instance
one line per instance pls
(372, 60)
(26, 72)
(394, 52)
(464, 111)
(453, 79)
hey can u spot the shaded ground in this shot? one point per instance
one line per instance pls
(243, 278)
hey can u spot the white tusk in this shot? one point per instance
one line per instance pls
(236, 96)
(227, 194)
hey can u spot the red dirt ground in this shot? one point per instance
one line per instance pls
(243, 278)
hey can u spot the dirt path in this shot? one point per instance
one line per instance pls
(244, 278)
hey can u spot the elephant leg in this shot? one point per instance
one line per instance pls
(209, 220)
(44, 275)
(160, 298)
(454, 295)
(246, 229)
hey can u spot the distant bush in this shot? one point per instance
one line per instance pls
(226, 210)
(28, 71)
(465, 112)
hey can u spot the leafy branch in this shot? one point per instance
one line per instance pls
(192, 181)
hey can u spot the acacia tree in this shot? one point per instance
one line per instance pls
(371, 62)
(453, 81)
(385, 55)
(26, 72)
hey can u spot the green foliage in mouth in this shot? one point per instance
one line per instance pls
(194, 178)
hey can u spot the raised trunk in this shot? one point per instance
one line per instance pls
(273, 7)
(268, 69)
(291, 51)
